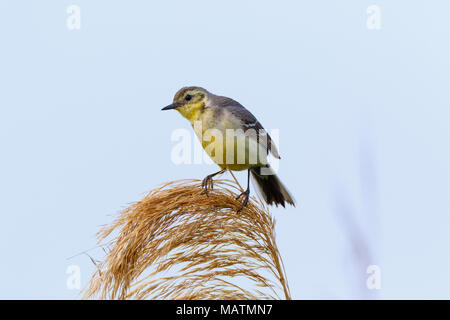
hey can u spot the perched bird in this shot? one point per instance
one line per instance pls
(219, 114)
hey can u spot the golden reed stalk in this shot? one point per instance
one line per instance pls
(179, 243)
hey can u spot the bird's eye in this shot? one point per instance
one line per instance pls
(188, 97)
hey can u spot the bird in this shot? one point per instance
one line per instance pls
(221, 115)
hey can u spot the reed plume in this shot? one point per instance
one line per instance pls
(179, 243)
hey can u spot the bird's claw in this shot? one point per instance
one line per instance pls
(246, 195)
(206, 181)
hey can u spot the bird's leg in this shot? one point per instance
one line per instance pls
(208, 180)
(246, 193)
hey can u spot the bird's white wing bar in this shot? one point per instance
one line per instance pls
(263, 138)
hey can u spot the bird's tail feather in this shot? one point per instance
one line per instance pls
(271, 188)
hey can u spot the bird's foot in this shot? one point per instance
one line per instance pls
(246, 195)
(208, 181)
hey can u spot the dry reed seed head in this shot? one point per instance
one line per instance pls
(179, 243)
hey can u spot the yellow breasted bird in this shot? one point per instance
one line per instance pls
(219, 114)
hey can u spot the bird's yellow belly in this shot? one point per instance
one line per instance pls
(230, 149)
(231, 155)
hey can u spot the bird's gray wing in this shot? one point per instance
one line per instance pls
(248, 121)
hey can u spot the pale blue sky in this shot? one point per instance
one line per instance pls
(363, 118)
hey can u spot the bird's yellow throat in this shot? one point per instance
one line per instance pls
(192, 111)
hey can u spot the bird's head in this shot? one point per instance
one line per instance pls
(189, 101)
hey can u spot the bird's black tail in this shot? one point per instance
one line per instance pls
(271, 188)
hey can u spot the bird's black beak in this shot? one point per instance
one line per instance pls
(171, 106)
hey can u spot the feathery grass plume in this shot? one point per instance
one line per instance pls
(179, 243)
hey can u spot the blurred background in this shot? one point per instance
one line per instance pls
(359, 91)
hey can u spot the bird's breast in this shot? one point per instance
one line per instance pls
(222, 145)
